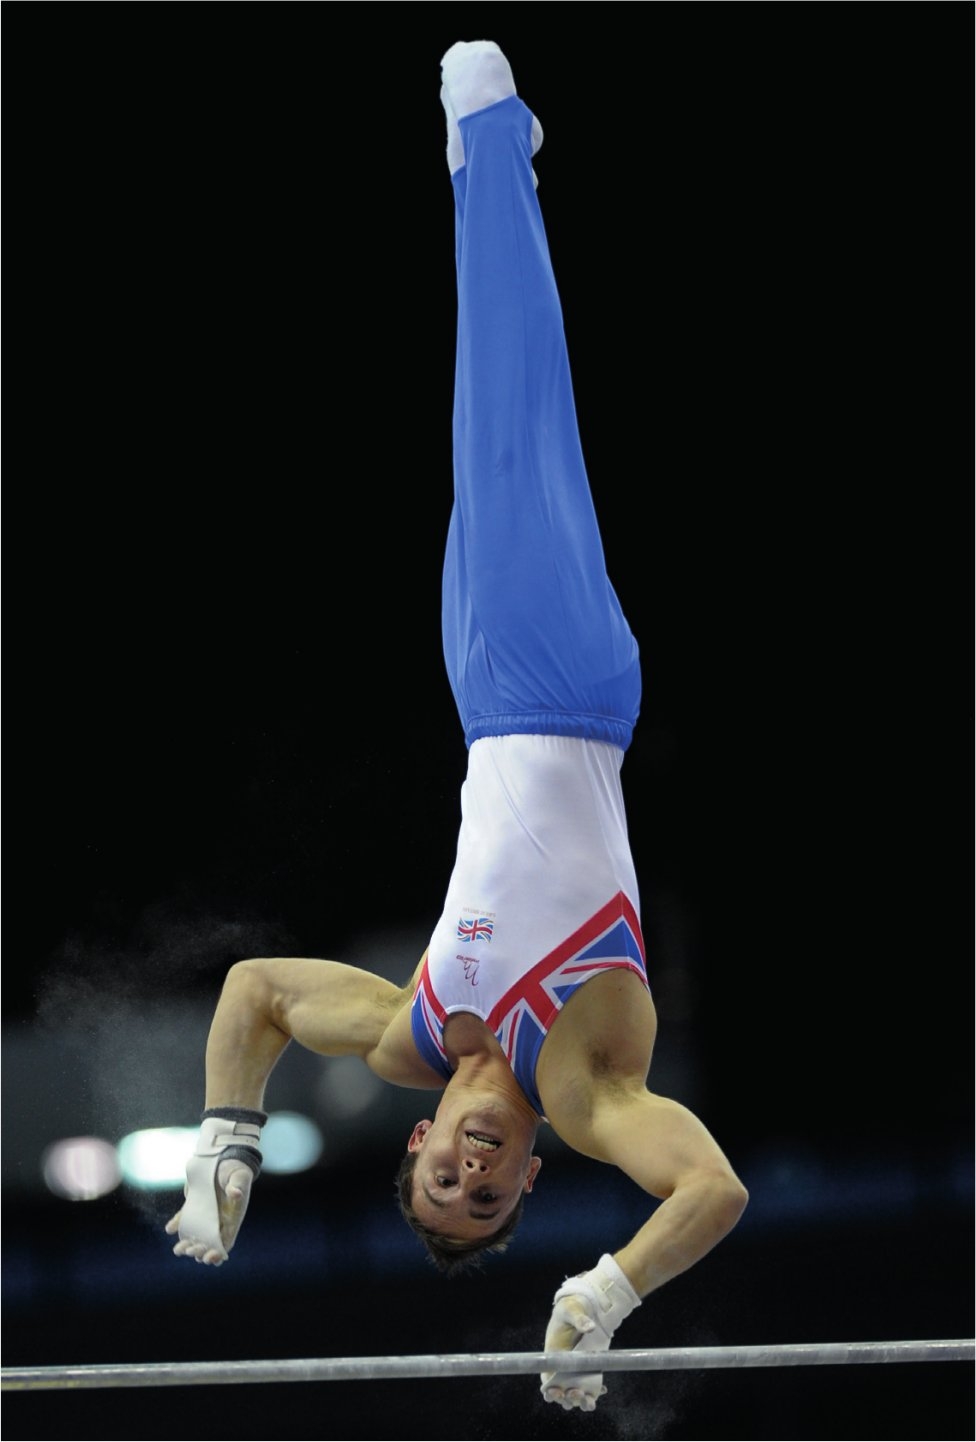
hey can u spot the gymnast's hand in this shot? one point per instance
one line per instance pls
(219, 1177)
(208, 1229)
(586, 1312)
(569, 1324)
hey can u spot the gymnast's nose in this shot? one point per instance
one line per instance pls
(471, 1165)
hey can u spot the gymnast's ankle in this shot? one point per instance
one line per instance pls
(475, 74)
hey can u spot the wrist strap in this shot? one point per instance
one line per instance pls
(236, 1114)
(614, 1285)
(250, 1156)
(232, 1134)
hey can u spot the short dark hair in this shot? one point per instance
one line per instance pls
(449, 1255)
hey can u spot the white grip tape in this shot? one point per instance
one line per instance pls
(610, 1299)
(217, 1133)
(200, 1216)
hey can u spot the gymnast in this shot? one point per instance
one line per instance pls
(531, 1005)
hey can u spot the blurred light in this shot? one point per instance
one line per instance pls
(81, 1168)
(290, 1143)
(347, 1088)
(156, 1158)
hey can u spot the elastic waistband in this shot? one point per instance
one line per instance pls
(552, 723)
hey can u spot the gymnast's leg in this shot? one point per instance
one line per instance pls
(534, 636)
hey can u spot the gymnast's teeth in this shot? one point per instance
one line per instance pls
(482, 1142)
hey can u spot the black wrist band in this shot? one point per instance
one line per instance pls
(250, 1156)
(236, 1114)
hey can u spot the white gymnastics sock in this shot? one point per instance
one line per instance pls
(475, 74)
(455, 149)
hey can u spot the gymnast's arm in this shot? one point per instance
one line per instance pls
(596, 1098)
(670, 1154)
(327, 1007)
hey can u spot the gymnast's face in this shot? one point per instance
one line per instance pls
(468, 1178)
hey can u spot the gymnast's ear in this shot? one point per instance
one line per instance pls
(417, 1136)
(535, 1167)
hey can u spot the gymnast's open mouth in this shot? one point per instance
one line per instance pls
(483, 1142)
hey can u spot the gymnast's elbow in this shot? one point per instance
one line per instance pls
(728, 1199)
(250, 983)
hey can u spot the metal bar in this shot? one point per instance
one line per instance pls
(477, 1364)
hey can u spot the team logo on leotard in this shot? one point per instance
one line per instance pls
(475, 928)
(470, 964)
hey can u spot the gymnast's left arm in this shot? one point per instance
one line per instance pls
(330, 1008)
(671, 1155)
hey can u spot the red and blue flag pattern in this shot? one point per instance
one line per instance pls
(522, 1016)
(475, 928)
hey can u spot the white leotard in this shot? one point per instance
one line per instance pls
(543, 895)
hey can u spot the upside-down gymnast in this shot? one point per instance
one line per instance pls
(531, 1005)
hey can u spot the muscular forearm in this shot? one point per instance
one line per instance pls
(702, 1209)
(245, 1042)
(671, 1155)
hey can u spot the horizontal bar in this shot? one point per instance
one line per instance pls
(477, 1364)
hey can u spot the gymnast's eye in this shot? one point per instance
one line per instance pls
(444, 1182)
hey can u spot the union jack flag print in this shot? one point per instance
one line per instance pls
(475, 928)
(521, 1017)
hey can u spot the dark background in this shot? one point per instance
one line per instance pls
(231, 282)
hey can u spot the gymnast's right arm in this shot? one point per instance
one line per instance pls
(326, 1006)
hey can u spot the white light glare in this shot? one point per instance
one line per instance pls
(290, 1143)
(156, 1158)
(81, 1168)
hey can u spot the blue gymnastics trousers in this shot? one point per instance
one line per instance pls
(534, 637)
